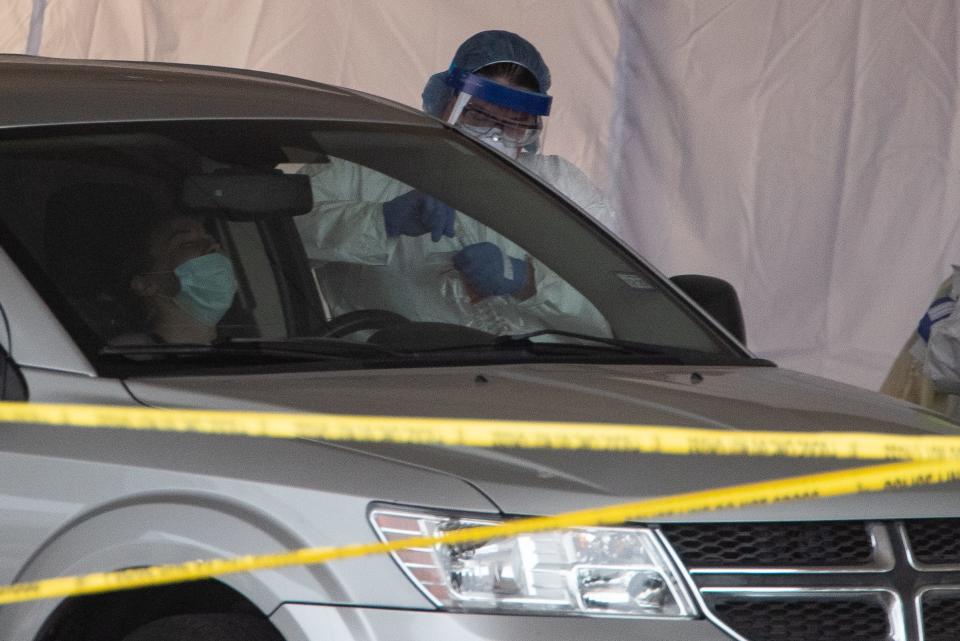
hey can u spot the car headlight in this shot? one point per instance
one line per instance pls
(621, 571)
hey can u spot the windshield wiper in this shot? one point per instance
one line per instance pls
(627, 347)
(664, 354)
(303, 349)
(313, 345)
(585, 346)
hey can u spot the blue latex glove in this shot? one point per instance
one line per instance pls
(415, 214)
(488, 272)
(938, 310)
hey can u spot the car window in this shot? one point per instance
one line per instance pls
(265, 241)
(360, 265)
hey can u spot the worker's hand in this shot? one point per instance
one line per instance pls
(938, 310)
(415, 214)
(488, 272)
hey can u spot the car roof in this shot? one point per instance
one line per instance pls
(45, 91)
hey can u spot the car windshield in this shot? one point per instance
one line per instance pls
(335, 243)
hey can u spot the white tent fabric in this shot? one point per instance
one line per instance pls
(385, 48)
(15, 25)
(804, 150)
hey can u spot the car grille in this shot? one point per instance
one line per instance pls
(935, 542)
(799, 620)
(941, 612)
(763, 544)
(826, 581)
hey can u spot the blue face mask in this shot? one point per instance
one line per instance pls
(207, 287)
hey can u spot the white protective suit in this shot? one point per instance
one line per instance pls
(360, 267)
(567, 178)
(941, 359)
(928, 373)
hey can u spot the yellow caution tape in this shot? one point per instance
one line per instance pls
(660, 439)
(934, 459)
(829, 484)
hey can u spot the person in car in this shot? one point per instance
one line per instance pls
(394, 243)
(181, 282)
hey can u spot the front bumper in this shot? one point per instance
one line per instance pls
(301, 622)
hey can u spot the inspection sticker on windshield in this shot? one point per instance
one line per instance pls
(634, 281)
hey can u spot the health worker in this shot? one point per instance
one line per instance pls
(378, 244)
(495, 90)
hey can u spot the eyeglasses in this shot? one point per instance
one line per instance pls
(519, 130)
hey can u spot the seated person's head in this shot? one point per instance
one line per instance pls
(183, 282)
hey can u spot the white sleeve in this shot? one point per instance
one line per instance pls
(351, 232)
(567, 178)
(555, 302)
(563, 307)
(346, 223)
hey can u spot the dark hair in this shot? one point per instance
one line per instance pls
(140, 259)
(511, 72)
(139, 247)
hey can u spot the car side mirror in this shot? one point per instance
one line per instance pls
(13, 387)
(718, 298)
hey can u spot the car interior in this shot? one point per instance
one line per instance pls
(76, 199)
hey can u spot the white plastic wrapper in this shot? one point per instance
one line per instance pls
(498, 315)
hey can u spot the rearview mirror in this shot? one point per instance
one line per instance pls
(718, 298)
(248, 196)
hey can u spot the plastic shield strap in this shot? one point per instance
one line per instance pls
(541, 139)
(458, 105)
(529, 102)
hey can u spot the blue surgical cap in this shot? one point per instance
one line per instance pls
(481, 50)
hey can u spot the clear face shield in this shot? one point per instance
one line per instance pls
(506, 118)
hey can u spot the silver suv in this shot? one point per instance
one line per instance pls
(189, 237)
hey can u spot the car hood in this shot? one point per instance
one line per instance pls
(544, 481)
